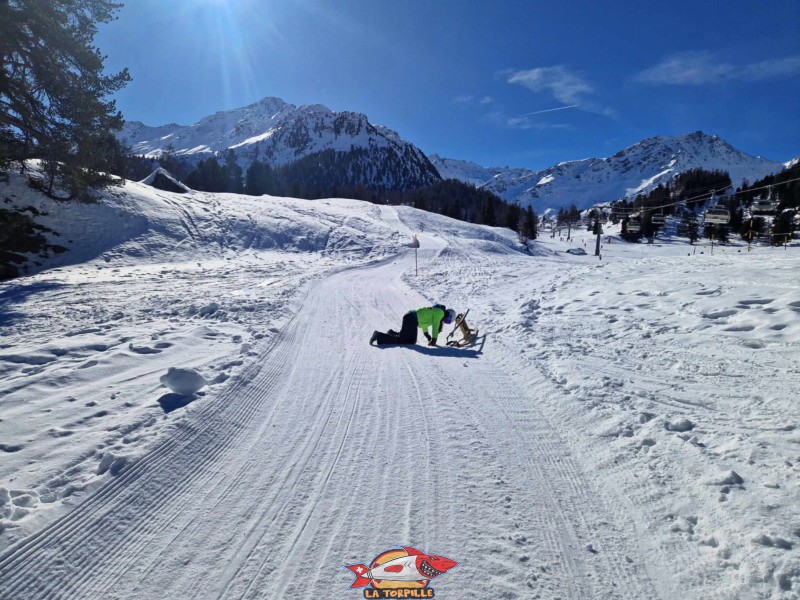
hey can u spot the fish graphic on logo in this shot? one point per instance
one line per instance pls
(405, 569)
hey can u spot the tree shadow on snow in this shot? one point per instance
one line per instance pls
(17, 293)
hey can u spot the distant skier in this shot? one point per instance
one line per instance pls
(428, 317)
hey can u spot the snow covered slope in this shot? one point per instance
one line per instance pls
(276, 132)
(466, 171)
(139, 222)
(624, 428)
(636, 169)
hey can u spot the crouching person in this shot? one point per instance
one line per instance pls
(432, 317)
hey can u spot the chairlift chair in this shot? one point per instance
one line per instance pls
(633, 226)
(717, 216)
(764, 205)
(658, 219)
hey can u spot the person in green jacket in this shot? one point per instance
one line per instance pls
(429, 317)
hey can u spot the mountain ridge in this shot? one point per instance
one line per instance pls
(279, 133)
(636, 169)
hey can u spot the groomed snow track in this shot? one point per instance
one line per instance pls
(327, 451)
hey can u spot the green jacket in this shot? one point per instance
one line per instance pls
(432, 317)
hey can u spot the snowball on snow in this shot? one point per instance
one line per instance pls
(183, 381)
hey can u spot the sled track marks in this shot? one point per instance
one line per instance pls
(101, 528)
(599, 548)
(292, 519)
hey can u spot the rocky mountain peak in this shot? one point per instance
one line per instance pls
(633, 170)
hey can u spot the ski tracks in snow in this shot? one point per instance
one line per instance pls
(327, 451)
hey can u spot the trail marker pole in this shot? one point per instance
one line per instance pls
(597, 241)
(415, 246)
(712, 238)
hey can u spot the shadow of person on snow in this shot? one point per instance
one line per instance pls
(449, 351)
(452, 351)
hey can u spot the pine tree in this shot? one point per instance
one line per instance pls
(488, 211)
(569, 218)
(53, 90)
(783, 227)
(420, 201)
(233, 173)
(717, 231)
(530, 225)
(138, 167)
(170, 161)
(513, 217)
(690, 225)
(208, 176)
(296, 189)
(259, 179)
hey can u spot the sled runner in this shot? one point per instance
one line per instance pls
(468, 336)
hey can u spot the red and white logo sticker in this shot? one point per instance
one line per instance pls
(403, 573)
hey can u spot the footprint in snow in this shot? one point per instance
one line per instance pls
(59, 433)
(740, 328)
(772, 542)
(721, 314)
(756, 301)
(143, 349)
(111, 463)
(16, 504)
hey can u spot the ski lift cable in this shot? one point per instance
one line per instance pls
(706, 188)
(701, 196)
(711, 187)
(711, 195)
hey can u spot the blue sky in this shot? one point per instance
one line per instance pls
(502, 83)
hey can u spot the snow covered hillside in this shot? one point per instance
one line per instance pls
(466, 171)
(623, 428)
(636, 169)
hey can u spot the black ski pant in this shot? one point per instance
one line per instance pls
(408, 332)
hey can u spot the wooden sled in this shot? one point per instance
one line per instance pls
(468, 335)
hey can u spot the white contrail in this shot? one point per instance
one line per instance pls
(538, 112)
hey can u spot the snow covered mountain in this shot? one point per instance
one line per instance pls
(466, 171)
(342, 148)
(279, 133)
(636, 169)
